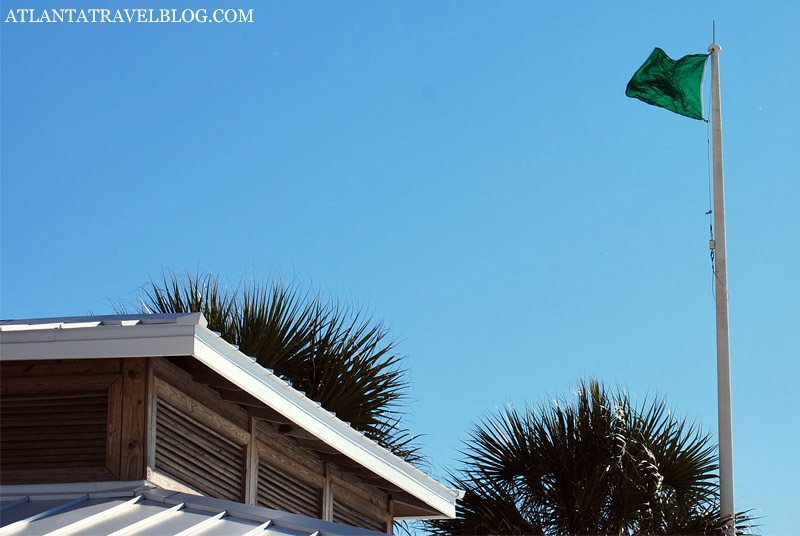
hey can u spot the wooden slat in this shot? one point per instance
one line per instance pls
(87, 430)
(290, 464)
(72, 434)
(212, 457)
(56, 450)
(279, 490)
(306, 501)
(188, 473)
(343, 513)
(186, 426)
(26, 443)
(171, 463)
(276, 492)
(44, 402)
(173, 450)
(193, 398)
(61, 415)
(369, 501)
(357, 494)
(57, 474)
(50, 420)
(62, 384)
(65, 367)
(287, 445)
(40, 463)
(191, 452)
(271, 498)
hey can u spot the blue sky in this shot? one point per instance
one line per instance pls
(472, 172)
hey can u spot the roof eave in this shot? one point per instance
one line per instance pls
(309, 415)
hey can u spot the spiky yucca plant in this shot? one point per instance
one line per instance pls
(331, 351)
(594, 464)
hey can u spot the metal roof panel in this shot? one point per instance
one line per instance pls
(140, 508)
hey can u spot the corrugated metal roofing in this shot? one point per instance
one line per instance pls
(140, 508)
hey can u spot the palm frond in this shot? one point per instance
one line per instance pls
(594, 464)
(333, 352)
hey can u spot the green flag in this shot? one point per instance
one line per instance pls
(674, 85)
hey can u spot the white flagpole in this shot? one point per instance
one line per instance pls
(721, 276)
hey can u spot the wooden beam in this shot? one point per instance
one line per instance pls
(381, 483)
(297, 432)
(202, 374)
(266, 413)
(327, 495)
(64, 474)
(61, 384)
(134, 416)
(405, 507)
(114, 427)
(390, 521)
(352, 468)
(319, 446)
(59, 367)
(150, 416)
(240, 397)
(251, 467)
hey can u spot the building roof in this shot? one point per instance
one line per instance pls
(177, 335)
(139, 507)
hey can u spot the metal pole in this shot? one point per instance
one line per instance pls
(721, 273)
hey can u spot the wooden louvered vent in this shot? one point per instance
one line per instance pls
(197, 456)
(52, 431)
(343, 513)
(280, 490)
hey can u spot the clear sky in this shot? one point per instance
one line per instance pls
(472, 172)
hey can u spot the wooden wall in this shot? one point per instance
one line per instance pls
(147, 418)
(72, 420)
(200, 442)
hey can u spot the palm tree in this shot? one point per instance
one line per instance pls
(590, 465)
(329, 350)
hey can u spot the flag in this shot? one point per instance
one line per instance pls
(674, 85)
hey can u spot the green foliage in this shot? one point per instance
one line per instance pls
(592, 465)
(331, 351)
